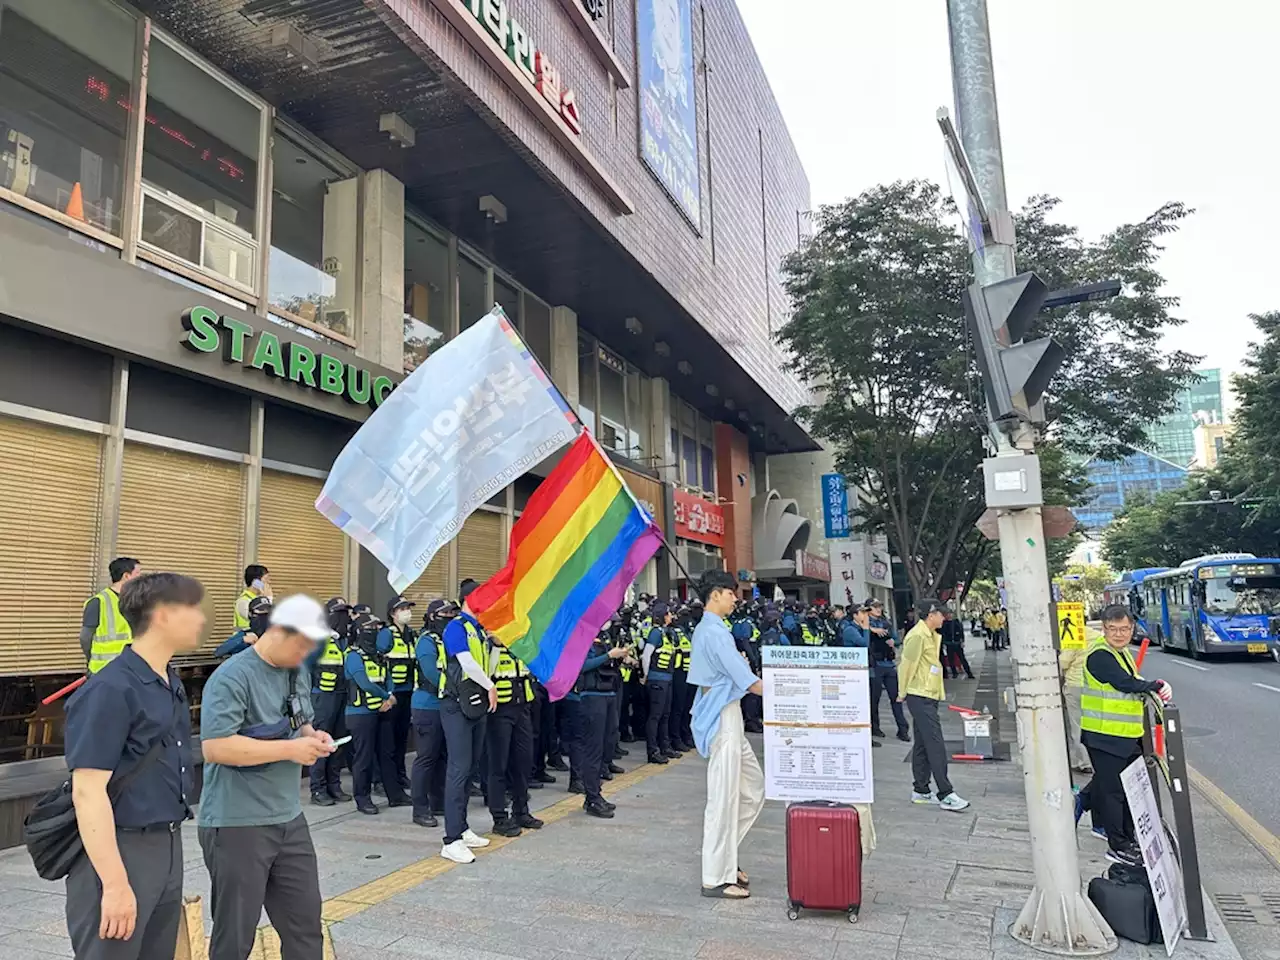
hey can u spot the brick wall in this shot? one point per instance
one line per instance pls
(727, 275)
(733, 459)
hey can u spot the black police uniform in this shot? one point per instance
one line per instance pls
(597, 684)
(509, 745)
(329, 702)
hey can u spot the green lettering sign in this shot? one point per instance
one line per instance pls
(201, 325)
(207, 332)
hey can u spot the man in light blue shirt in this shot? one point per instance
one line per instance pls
(735, 783)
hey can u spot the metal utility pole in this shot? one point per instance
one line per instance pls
(1057, 917)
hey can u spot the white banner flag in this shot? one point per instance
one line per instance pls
(477, 414)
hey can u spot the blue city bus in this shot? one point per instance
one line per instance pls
(1128, 592)
(1224, 603)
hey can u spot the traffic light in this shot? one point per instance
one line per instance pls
(1014, 374)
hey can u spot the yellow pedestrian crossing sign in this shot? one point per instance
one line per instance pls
(1070, 618)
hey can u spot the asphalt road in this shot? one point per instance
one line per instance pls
(1231, 720)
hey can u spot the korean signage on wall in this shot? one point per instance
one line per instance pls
(668, 107)
(533, 63)
(879, 568)
(812, 567)
(649, 492)
(835, 506)
(698, 519)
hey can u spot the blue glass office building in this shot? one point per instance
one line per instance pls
(1116, 483)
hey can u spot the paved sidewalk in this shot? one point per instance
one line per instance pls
(939, 884)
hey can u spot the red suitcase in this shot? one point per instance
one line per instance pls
(824, 859)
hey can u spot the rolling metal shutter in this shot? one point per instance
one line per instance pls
(432, 585)
(185, 514)
(300, 547)
(49, 509)
(481, 551)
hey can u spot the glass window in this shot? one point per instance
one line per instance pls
(313, 223)
(689, 460)
(613, 402)
(426, 305)
(472, 298)
(637, 416)
(675, 449)
(200, 168)
(537, 328)
(688, 419)
(708, 469)
(64, 106)
(587, 383)
(507, 297)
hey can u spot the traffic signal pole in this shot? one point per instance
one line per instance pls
(1057, 917)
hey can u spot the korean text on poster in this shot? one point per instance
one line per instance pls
(668, 110)
(835, 505)
(1157, 853)
(817, 724)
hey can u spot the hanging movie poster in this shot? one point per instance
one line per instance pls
(668, 109)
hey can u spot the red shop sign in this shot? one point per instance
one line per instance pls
(698, 519)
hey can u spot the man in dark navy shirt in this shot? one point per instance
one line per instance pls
(124, 898)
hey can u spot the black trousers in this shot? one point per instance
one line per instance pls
(1107, 802)
(593, 722)
(631, 715)
(401, 723)
(656, 734)
(680, 704)
(326, 773)
(752, 709)
(929, 749)
(886, 680)
(153, 864)
(463, 738)
(427, 779)
(954, 660)
(255, 867)
(542, 720)
(371, 742)
(612, 725)
(509, 735)
(567, 717)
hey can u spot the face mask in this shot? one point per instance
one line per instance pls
(403, 617)
(259, 625)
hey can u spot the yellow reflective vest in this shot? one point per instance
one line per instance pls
(511, 677)
(479, 649)
(810, 637)
(376, 671)
(247, 594)
(328, 668)
(400, 659)
(113, 633)
(1103, 708)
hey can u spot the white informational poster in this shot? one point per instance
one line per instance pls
(817, 724)
(1157, 854)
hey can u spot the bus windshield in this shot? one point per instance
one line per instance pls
(1258, 595)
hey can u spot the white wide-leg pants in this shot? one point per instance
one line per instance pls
(735, 797)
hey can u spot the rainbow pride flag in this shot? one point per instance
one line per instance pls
(579, 544)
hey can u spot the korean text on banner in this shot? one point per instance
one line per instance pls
(835, 505)
(1158, 855)
(477, 414)
(817, 724)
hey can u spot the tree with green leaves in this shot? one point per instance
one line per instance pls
(1084, 582)
(878, 329)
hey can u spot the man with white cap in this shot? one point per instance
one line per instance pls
(255, 734)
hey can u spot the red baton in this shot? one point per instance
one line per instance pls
(64, 691)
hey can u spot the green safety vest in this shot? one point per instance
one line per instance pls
(248, 593)
(400, 659)
(329, 666)
(686, 651)
(478, 648)
(809, 638)
(1104, 709)
(375, 671)
(665, 656)
(113, 633)
(512, 679)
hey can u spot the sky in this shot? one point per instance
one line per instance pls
(1114, 107)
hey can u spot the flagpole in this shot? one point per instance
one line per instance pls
(662, 537)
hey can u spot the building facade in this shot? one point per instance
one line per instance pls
(1173, 438)
(346, 186)
(1114, 483)
(1210, 440)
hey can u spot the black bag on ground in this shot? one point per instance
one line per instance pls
(50, 831)
(1124, 873)
(1128, 907)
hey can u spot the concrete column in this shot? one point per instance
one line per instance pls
(564, 353)
(660, 430)
(253, 481)
(112, 471)
(380, 315)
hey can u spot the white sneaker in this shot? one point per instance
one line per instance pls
(458, 852)
(923, 797)
(954, 803)
(473, 839)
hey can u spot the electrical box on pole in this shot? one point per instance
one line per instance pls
(1015, 371)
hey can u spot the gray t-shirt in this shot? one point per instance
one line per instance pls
(243, 692)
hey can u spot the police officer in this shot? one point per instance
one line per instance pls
(428, 764)
(257, 583)
(509, 735)
(613, 751)
(680, 719)
(369, 703)
(658, 661)
(811, 632)
(104, 632)
(635, 700)
(597, 682)
(1112, 720)
(397, 643)
(328, 699)
(746, 637)
(259, 615)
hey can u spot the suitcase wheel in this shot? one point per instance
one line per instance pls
(853, 914)
(793, 913)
